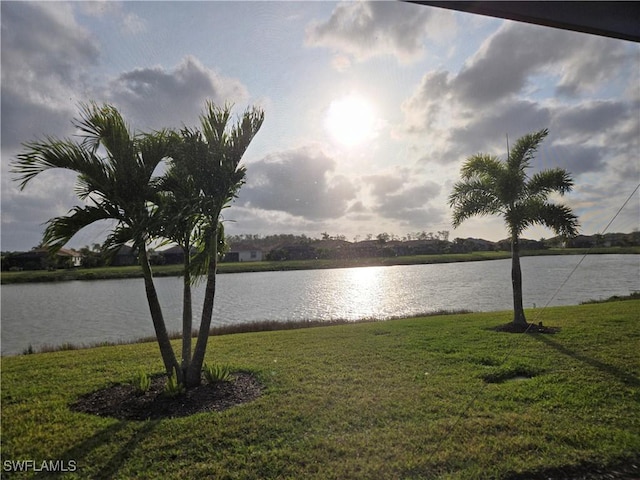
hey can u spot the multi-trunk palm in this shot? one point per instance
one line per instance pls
(490, 186)
(115, 178)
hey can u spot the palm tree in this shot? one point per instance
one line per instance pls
(210, 159)
(115, 179)
(490, 186)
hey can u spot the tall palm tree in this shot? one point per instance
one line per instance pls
(115, 179)
(490, 186)
(211, 156)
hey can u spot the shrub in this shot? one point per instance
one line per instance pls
(217, 373)
(173, 388)
(142, 382)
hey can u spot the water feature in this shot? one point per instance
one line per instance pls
(86, 312)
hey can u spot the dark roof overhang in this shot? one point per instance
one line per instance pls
(615, 19)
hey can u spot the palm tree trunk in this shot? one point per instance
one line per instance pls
(516, 282)
(193, 375)
(166, 351)
(186, 314)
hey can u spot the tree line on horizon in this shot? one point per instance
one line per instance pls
(94, 255)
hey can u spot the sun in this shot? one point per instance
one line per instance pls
(350, 120)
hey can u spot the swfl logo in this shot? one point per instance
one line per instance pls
(43, 466)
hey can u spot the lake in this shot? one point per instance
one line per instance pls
(86, 312)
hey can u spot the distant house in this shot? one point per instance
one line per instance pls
(292, 252)
(173, 255)
(243, 253)
(464, 245)
(581, 241)
(125, 256)
(70, 257)
(41, 259)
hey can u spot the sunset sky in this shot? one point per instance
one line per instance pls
(370, 108)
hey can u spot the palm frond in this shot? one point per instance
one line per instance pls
(551, 180)
(473, 198)
(524, 149)
(244, 131)
(559, 218)
(51, 154)
(119, 237)
(60, 230)
(538, 211)
(214, 123)
(104, 125)
(154, 148)
(481, 166)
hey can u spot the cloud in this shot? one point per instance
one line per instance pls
(130, 23)
(153, 97)
(398, 196)
(24, 213)
(593, 118)
(383, 184)
(509, 87)
(46, 57)
(298, 182)
(510, 60)
(48, 65)
(362, 30)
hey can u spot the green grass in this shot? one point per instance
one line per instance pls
(103, 273)
(420, 398)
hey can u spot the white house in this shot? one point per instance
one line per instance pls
(243, 254)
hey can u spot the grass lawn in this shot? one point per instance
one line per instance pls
(408, 399)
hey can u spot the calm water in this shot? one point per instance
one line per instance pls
(85, 312)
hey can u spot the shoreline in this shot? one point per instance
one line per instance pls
(107, 273)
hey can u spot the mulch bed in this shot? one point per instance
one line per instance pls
(125, 402)
(528, 328)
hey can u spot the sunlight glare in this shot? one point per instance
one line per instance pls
(350, 120)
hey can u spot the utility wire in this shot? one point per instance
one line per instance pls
(587, 253)
(510, 352)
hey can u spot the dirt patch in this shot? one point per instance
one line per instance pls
(125, 402)
(527, 328)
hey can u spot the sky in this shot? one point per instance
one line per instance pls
(370, 108)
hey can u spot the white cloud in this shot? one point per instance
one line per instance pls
(133, 24)
(129, 23)
(362, 30)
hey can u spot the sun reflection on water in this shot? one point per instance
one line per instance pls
(366, 291)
